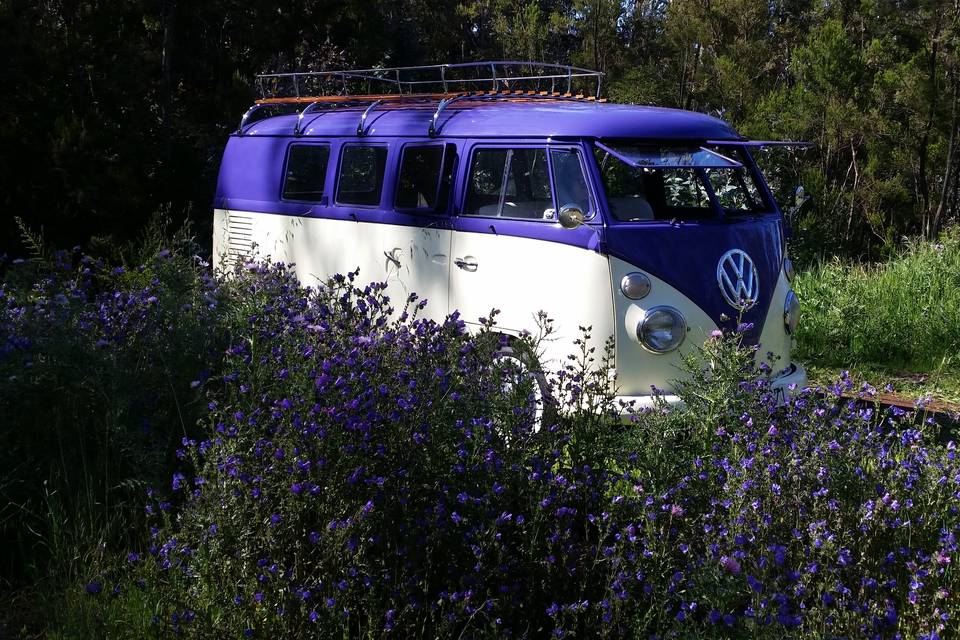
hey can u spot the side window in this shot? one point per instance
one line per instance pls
(627, 195)
(569, 181)
(361, 174)
(306, 172)
(510, 183)
(425, 176)
(486, 182)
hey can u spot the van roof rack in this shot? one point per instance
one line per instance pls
(439, 84)
(490, 76)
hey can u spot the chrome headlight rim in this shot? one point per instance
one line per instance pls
(679, 322)
(791, 312)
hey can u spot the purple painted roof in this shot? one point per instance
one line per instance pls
(509, 119)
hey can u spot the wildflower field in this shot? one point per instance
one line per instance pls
(215, 458)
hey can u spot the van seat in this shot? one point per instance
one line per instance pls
(631, 208)
(526, 209)
(533, 209)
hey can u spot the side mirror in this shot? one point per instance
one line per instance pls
(570, 216)
(800, 200)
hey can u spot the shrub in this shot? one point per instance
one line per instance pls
(96, 364)
(367, 477)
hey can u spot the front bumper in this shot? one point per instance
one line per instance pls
(784, 386)
(789, 382)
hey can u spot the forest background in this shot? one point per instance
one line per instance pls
(120, 108)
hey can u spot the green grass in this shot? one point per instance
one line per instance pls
(896, 322)
(941, 385)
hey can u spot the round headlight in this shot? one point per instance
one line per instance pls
(791, 312)
(788, 269)
(635, 285)
(662, 329)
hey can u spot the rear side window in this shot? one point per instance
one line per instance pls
(306, 172)
(361, 174)
(510, 183)
(425, 176)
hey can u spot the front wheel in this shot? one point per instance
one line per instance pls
(525, 388)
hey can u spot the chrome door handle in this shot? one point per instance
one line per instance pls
(467, 264)
(392, 256)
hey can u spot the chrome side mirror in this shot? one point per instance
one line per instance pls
(800, 200)
(570, 216)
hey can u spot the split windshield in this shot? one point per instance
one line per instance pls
(645, 182)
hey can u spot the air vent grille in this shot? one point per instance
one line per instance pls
(239, 238)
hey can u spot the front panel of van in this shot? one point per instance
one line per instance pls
(690, 264)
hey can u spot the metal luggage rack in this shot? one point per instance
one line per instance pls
(440, 84)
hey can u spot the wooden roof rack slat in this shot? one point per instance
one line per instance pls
(441, 84)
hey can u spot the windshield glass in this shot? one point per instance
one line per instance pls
(679, 185)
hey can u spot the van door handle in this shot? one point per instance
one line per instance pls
(392, 256)
(467, 263)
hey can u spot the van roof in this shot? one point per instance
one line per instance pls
(506, 119)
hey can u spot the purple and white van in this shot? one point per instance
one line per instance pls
(650, 225)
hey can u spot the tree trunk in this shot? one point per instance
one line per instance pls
(949, 171)
(169, 17)
(924, 187)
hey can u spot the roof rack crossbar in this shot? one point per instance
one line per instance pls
(297, 129)
(363, 117)
(246, 116)
(504, 95)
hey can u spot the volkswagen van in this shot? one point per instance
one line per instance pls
(509, 186)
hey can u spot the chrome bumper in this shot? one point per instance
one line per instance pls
(784, 386)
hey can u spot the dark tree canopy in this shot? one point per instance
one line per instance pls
(118, 108)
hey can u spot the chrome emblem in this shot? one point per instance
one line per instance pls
(738, 280)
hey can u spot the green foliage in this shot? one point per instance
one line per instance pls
(123, 107)
(96, 365)
(902, 314)
(362, 477)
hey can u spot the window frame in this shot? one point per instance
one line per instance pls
(383, 177)
(767, 202)
(324, 199)
(584, 170)
(448, 148)
(547, 147)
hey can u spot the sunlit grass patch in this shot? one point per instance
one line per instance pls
(902, 315)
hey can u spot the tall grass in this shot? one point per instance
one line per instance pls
(902, 314)
(96, 370)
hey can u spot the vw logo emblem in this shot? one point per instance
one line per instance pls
(738, 280)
